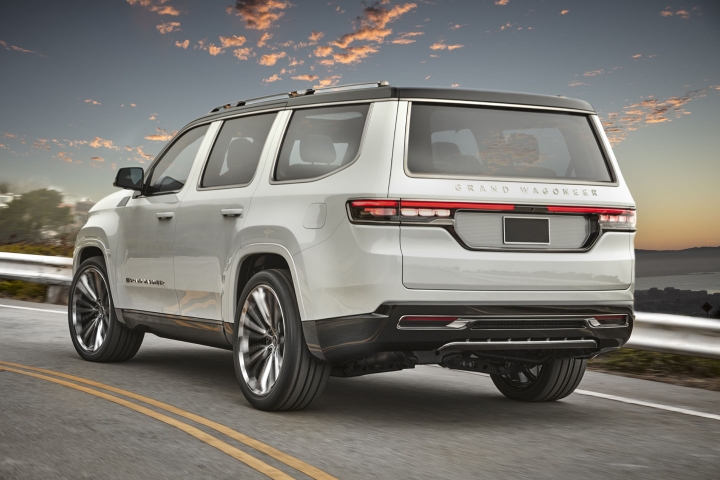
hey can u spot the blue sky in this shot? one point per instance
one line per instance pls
(87, 87)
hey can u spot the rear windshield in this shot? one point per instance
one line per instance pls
(491, 142)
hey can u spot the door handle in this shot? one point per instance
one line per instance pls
(231, 212)
(165, 215)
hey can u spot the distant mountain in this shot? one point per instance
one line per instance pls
(659, 263)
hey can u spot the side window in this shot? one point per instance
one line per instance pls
(319, 141)
(236, 153)
(171, 172)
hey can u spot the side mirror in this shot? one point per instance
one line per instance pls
(129, 177)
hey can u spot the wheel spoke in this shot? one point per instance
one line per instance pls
(85, 287)
(262, 306)
(265, 374)
(250, 323)
(99, 334)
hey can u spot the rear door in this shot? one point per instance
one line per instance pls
(213, 211)
(509, 198)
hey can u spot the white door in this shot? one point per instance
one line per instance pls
(212, 213)
(144, 263)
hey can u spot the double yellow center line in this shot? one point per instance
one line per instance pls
(224, 447)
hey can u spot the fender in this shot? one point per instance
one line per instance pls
(236, 260)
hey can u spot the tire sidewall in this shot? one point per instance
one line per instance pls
(294, 340)
(112, 321)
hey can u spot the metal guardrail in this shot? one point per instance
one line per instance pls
(680, 334)
(656, 332)
(36, 268)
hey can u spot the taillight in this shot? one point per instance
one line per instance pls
(608, 218)
(385, 211)
(623, 220)
(374, 211)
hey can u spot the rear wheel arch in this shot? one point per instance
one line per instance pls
(257, 258)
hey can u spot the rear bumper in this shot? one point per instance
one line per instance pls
(490, 327)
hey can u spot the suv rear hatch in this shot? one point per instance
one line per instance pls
(510, 198)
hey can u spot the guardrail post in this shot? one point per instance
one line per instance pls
(57, 294)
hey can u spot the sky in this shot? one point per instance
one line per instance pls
(87, 87)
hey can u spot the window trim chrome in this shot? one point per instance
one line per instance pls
(199, 186)
(272, 180)
(589, 115)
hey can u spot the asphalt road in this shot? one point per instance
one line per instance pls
(423, 423)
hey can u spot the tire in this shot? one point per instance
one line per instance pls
(556, 379)
(90, 320)
(261, 342)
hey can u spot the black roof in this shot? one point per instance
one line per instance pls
(384, 91)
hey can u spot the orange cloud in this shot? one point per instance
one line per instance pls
(97, 159)
(592, 73)
(242, 53)
(638, 55)
(101, 142)
(234, 41)
(18, 49)
(502, 2)
(264, 39)
(323, 51)
(442, 46)
(168, 27)
(274, 78)
(185, 44)
(64, 156)
(294, 61)
(373, 23)
(354, 54)
(329, 81)
(165, 10)
(214, 50)
(564, 12)
(326, 62)
(260, 14)
(647, 112)
(455, 85)
(157, 6)
(162, 135)
(42, 144)
(92, 102)
(315, 36)
(271, 59)
(406, 38)
(576, 84)
(306, 78)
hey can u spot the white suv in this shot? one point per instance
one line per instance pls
(364, 229)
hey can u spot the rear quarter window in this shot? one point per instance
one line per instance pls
(320, 141)
(491, 142)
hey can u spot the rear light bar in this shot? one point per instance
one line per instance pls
(413, 211)
(391, 211)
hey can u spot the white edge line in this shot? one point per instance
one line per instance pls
(630, 401)
(34, 309)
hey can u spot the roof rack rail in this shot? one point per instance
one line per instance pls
(295, 93)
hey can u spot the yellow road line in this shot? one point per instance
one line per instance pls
(289, 460)
(236, 453)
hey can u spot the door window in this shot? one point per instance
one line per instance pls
(236, 153)
(320, 141)
(171, 172)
